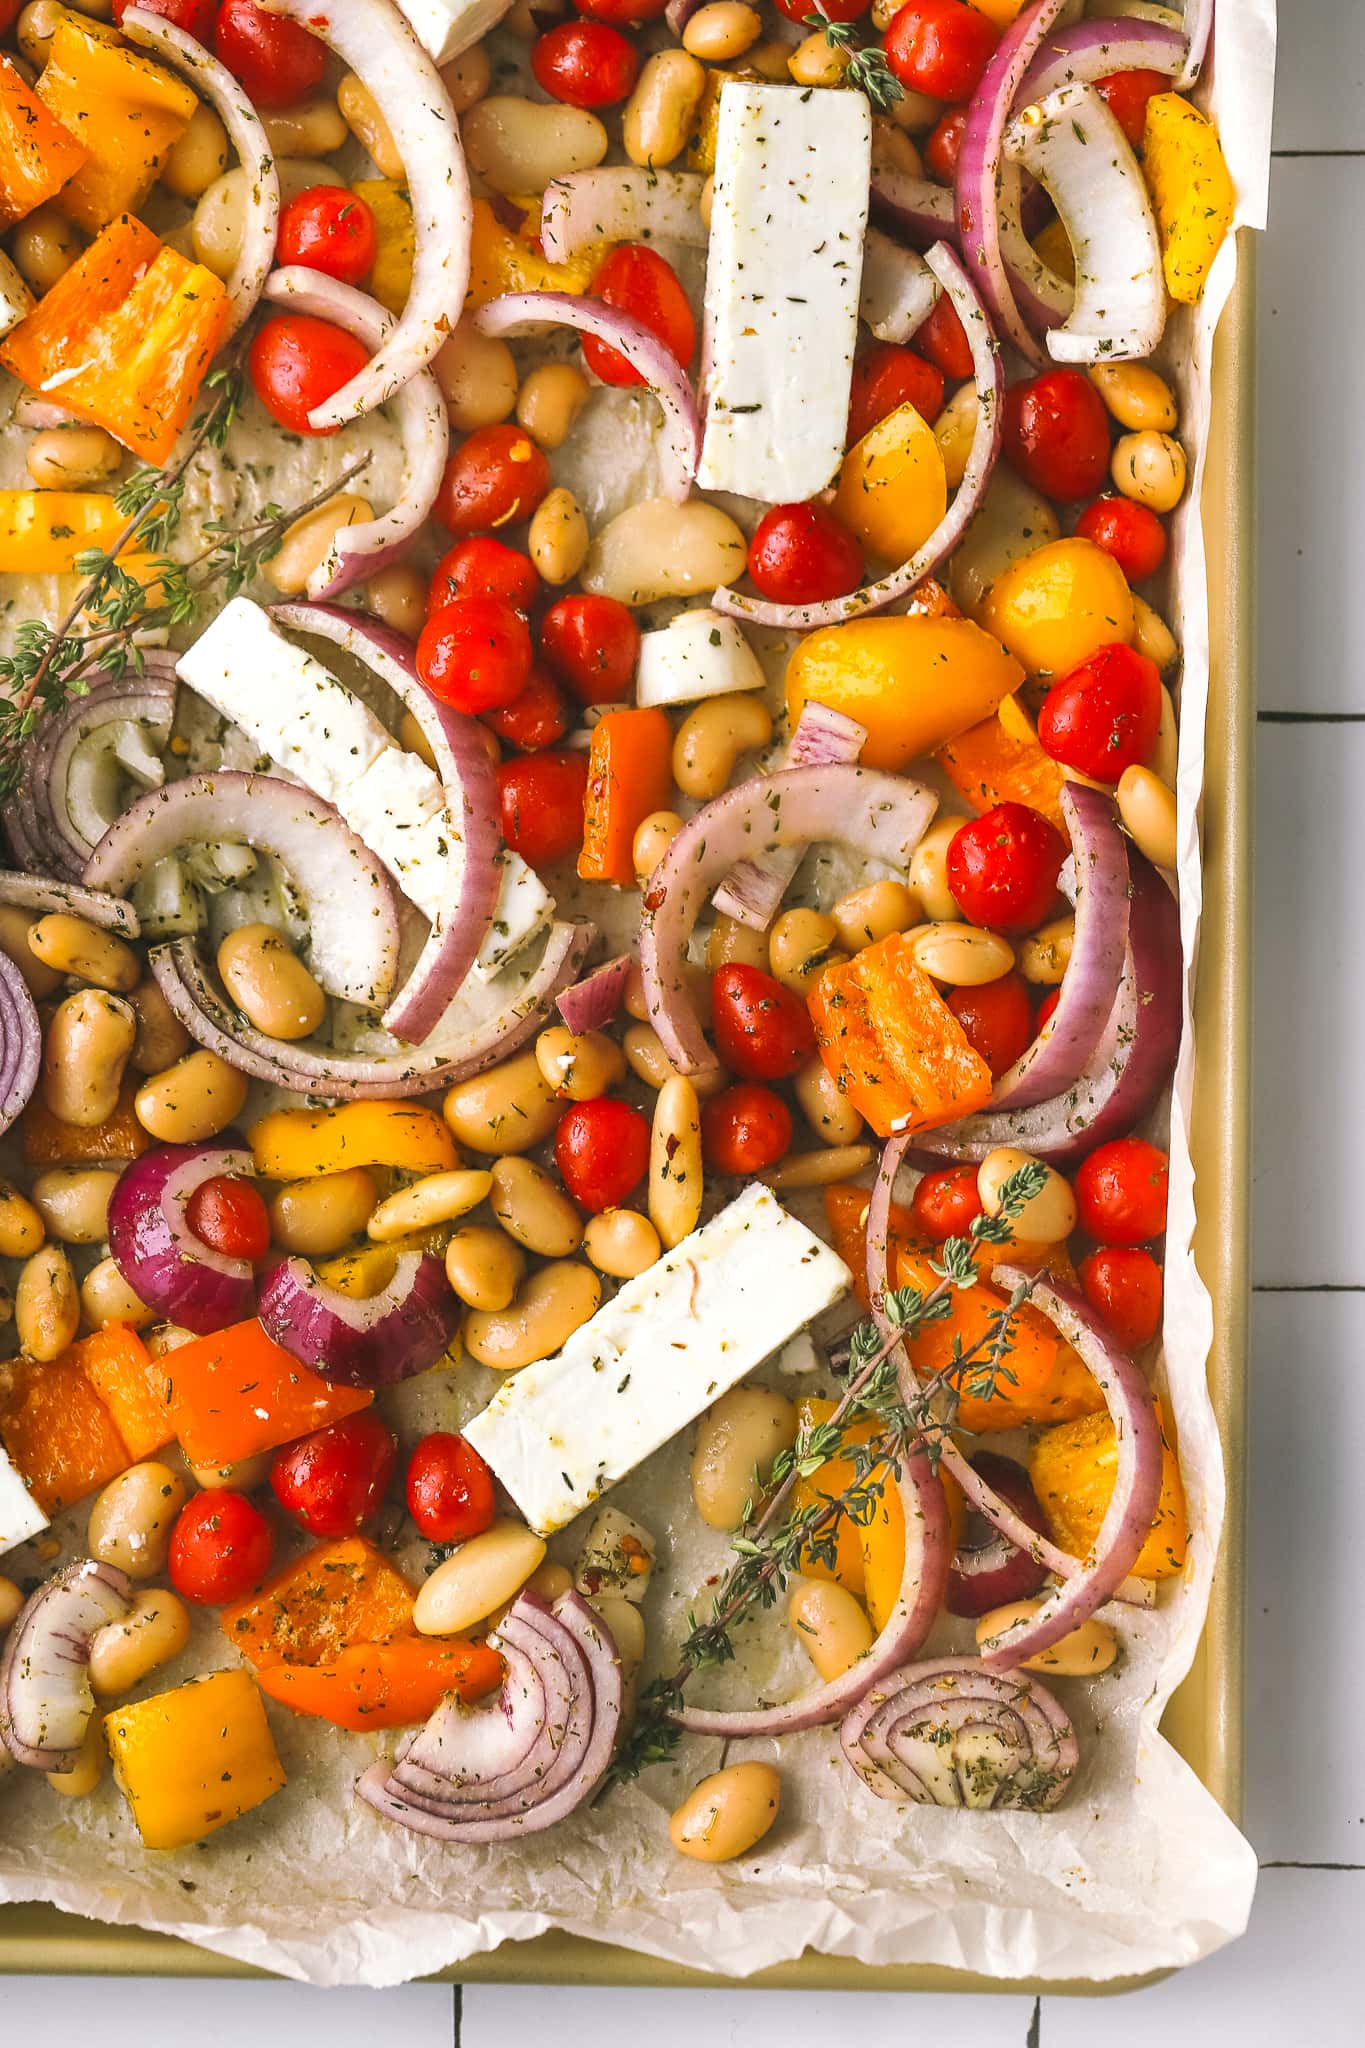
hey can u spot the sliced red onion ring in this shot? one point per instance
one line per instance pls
(591, 1004)
(1137, 1483)
(988, 1575)
(899, 290)
(621, 203)
(374, 1342)
(374, 40)
(21, 1043)
(954, 1733)
(45, 1696)
(357, 1077)
(352, 916)
(1077, 151)
(96, 906)
(881, 816)
(523, 312)
(753, 889)
(678, 13)
(248, 138)
(419, 411)
(150, 1240)
(1198, 27)
(80, 770)
(990, 392)
(1090, 50)
(459, 1755)
(41, 798)
(915, 208)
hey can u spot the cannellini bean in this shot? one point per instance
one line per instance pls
(534, 1210)
(653, 837)
(311, 128)
(437, 1198)
(47, 1305)
(73, 1202)
(1149, 468)
(484, 1267)
(161, 1037)
(123, 1652)
(11, 1600)
(675, 1163)
(801, 944)
(21, 1227)
(518, 145)
(131, 1520)
(467, 77)
(929, 871)
(542, 1317)
(43, 246)
(195, 1099)
(658, 549)
(649, 1062)
(398, 597)
(480, 1576)
(1048, 1218)
(360, 111)
(815, 61)
(732, 944)
(243, 1475)
(86, 1050)
(819, 1169)
(85, 1774)
(626, 1626)
(558, 538)
(711, 740)
(550, 1582)
(579, 1066)
(1138, 398)
(737, 1440)
(874, 912)
(955, 430)
(107, 1298)
(621, 1243)
(661, 115)
(269, 983)
(35, 28)
(721, 30)
(961, 955)
(550, 401)
(1147, 808)
(1151, 635)
(199, 156)
(72, 459)
(1045, 955)
(830, 1625)
(507, 1109)
(727, 1814)
(220, 216)
(477, 374)
(305, 544)
(321, 1216)
(1084, 1653)
(829, 1113)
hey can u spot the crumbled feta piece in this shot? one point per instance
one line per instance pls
(699, 654)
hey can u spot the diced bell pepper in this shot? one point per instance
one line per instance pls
(124, 110)
(191, 1760)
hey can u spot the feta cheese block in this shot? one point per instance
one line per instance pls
(783, 276)
(562, 1433)
(446, 28)
(523, 909)
(699, 654)
(20, 1514)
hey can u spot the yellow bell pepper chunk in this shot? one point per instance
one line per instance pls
(914, 682)
(1193, 195)
(42, 532)
(295, 1144)
(893, 489)
(834, 1477)
(502, 262)
(1056, 607)
(191, 1760)
(1073, 1468)
(883, 1542)
(1053, 245)
(124, 109)
(388, 201)
(1001, 12)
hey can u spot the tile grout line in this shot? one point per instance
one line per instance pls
(1292, 155)
(1307, 1287)
(1034, 2037)
(1310, 717)
(456, 2013)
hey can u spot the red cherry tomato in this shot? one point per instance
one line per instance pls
(944, 146)
(997, 1017)
(276, 60)
(484, 567)
(836, 10)
(334, 1480)
(943, 339)
(622, 13)
(801, 554)
(230, 1217)
(1121, 1192)
(636, 280)
(761, 1029)
(1126, 94)
(221, 1548)
(331, 229)
(602, 1152)
(1131, 533)
(1103, 717)
(1046, 1007)
(196, 17)
(475, 653)
(495, 478)
(540, 805)
(592, 644)
(940, 48)
(449, 1489)
(946, 1202)
(1123, 1284)
(296, 362)
(585, 64)
(535, 719)
(1003, 867)
(887, 376)
(745, 1128)
(1057, 434)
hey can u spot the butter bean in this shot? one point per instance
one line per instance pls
(1147, 808)
(86, 1050)
(267, 980)
(484, 1267)
(872, 913)
(1150, 469)
(72, 458)
(737, 1440)
(819, 1169)
(1137, 396)
(1045, 955)
(478, 1578)
(507, 1109)
(306, 544)
(131, 1520)
(727, 1814)
(73, 1202)
(518, 145)
(161, 1037)
(21, 1227)
(360, 111)
(1049, 1218)
(533, 1210)
(721, 30)
(829, 1113)
(801, 944)
(199, 156)
(830, 1625)
(713, 737)
(107, 1298)
(929, 871)
(123, 1653)
(193, 1100)
(437, 1198)
(542, 1317)
(660, 117)
(47, 1307)
(675, 1162)
(85, 1774)
(621, 1243)
(579, 1066)
(558, 539)
(1084, 1653)
(477, 374)
(961, 955)
(312, 128)
(658, 549)
(319, 1217)
(15, 926)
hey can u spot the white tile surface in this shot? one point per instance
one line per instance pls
(1320, 86)
(495, 2017)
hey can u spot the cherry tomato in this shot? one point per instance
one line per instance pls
(494, 478)
(1003, 867)
(761, 1029)
(535, 719)
(836, 10)
(745, 1128)
(334, 1480)
(887, 376)
(801, 554)
(230, 1217)
(1121, 1192)
(328, 228)
(636, 280)
(585, 64)
(196, 17)
(1103, 717)
(475, 653)
(540, 805)
(943, 339)
(940, 48)
(1046, 1007)
(296, 362)
(1131, 533)
(1126, 94)
(449, 1489)
(221, 1548)
(592, 644)
(1057, 434)
(276, 60)
(997, 1017)
(946, 1202)
(944, 146)
(11, 9)
(1123, 1284)
(484, 567)
(602, 1152)
(623, 13)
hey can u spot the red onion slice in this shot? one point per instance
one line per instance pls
(1198, 27)
(21, 1043)
(352, 916)
(419, 411)
(45, 1696)
(990, 395)
(247, 135)
(621, 203)
(459, 1754)
(753, 889)
(987, 1575)
(150, 1240)
(899, 290)
(80, 813)
(916, 208)
(40, 800)
(96, 906)
(374, 1342)
(1090, 50)
(523, 312)
(592, 1004)
(881, 816)
(1137, 1484)
(953, 1733)
(374, 40)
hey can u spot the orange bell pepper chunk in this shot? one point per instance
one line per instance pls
(1073, 1468)
(125, 109)
(48, 1141)
(1000, 761)
(238, 1392)
(846, 1215)
(384, 1685)
(37, 154)
(58, 1433)
(894, 1047)
(630, 774)
(834, 1477)
(131, 1384)
(312, 1610)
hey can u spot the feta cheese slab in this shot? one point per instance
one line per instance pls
(783, 276)
(20, 1514)
(699, 654)
(562, 1433)
(446, 28)
(523, 909)
(398, 807)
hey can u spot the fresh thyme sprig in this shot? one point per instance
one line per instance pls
(867, 70)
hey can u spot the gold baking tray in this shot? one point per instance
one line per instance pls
(1204, 1719)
